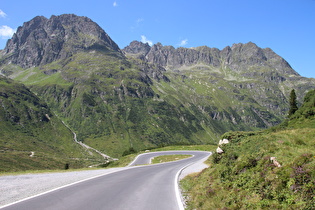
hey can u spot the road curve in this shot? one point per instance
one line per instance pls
(136, 187)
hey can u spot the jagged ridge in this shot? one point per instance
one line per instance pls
(41, 41)
(239, 57)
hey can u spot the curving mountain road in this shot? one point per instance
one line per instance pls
(136, 187)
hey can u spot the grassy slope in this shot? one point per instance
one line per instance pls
(25, 128)
(112, 107)
(110, 104)
(52, 144)
(236, 102)
(244, 177)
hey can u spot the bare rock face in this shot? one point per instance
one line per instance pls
(243, 56)
(138, 49)
(41, 40)
(239, 58)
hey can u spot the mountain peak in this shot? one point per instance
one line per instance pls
(240, 57)
(41, 40)
(138, 49)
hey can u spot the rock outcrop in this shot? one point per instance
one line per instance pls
(41, 40)
(239, 57)
(219, 150)
(275, 162)
(223, 141)
(137, 49)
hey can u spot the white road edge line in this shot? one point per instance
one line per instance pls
(43, 193)
(177, 191)
(179, 195)
(130, 164)
(54, 189)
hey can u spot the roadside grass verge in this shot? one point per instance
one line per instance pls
(245, 177)
(270, 169)
(207, 147)
(168, 158)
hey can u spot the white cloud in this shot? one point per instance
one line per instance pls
(6, 32)
(145, 40)
(115, 4)
(2, 14)
(183, 42)
(139, 20)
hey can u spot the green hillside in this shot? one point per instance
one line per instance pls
(29, 127)
(116, 103)
(113, 105)
(246, 177)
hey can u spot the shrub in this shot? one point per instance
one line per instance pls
(67, 166)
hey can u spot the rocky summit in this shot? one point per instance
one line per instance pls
(42, 41)
(145, 96)
(239, 58)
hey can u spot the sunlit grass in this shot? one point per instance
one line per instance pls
(245, 177)
(168, 158)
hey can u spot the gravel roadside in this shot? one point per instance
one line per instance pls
(194, 168)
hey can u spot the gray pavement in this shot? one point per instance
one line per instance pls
(139, 187)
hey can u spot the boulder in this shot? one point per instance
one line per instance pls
(219, 150)
(275, 162)
(224, 141)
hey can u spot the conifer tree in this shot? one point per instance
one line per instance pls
(293, 103)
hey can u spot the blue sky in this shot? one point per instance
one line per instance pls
(286, 26)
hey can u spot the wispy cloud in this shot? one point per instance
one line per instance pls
(6, 32)
(183, 42)
(115, 4)
(2, 14)
(145, 40)
(139, 20)
(137, 24)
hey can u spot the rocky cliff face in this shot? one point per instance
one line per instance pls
(137, 49)
(41, 40)
(239, 57)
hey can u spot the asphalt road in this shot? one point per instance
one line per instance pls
(138, 187)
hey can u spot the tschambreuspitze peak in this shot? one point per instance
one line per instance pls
(41, 40)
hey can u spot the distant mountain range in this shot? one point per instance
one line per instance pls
(142, 96)
(238, 58)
